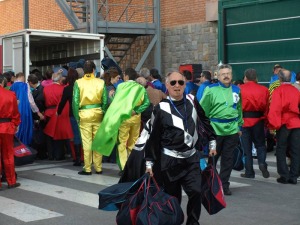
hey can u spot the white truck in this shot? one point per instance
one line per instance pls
(30, 49)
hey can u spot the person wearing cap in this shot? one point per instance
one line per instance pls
(255, 101)
(9, 121)
(222, 105)
(89, 105)
(283, 117)
(58, 127)
(26, 106)
(274, 77)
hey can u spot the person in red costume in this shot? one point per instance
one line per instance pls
(9, 122)
(283, 117)
(58, 127)
(255, 102)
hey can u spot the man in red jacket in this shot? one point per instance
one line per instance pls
(9, 121)
(283, 117)
(255, 99)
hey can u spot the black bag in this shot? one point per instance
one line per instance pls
(212, 190)
(112, 197)
(159, 208)
(238, 158)
(23, 154)
(107, 63)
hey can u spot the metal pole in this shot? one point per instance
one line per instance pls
(26, 14)
(157, 52)
(93, 16)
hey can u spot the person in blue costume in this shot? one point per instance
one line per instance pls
(155, 79)
(205, 80)
(190, 86)
(26, 106)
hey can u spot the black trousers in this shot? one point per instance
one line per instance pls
(288, 137)
(191, 184)
(225, 148)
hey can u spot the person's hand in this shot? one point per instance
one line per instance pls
(133, 113)
(273, 132)
(41, 116)
(111, 93)
(16, 129)
(212, 152)
(240, 133)
(149, 170)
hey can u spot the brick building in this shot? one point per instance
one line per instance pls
(188, 29)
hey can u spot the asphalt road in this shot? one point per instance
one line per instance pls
(52, 193)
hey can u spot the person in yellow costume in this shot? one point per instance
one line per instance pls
(89, 105)
(122, 122)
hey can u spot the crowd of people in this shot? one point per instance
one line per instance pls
(71, 110)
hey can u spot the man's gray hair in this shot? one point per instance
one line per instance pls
(284, 75)
(145, 72)
(57, 76)
(224, 66)
(169, 74)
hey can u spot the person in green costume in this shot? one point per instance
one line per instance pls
(222, 105)
(122, 121)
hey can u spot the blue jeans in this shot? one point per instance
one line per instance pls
(288, 137)
(255, 134)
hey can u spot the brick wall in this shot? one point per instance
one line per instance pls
(180, 12)
(44, 14)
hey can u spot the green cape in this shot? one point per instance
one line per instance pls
(128, 94)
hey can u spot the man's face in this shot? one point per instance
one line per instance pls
(225, 76)
(276, 70)
(175, 84)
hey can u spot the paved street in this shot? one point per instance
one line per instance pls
(52, 193)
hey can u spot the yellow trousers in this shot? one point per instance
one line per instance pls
(88, 131)
(128, 134)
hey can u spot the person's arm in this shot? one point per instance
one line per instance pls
(75, 101)
(146, 102)
(64, 98)
(33, 106)
(104, 100)
(275, 112)
(152, 147)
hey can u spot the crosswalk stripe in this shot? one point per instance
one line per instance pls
(71, 174)
(55, 191)
(25, 212)
(37, 166)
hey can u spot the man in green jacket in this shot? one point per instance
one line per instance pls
(222, 105)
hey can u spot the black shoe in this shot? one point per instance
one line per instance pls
(247, 176)
(292, 181)
(282, 180)
(100, 172)
(84, 173)
(227, 191)
(14, 185)
(264, 171)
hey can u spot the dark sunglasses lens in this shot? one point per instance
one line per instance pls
(181, 82)
(173, 82)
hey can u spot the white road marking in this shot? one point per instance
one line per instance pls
(55, 191)
(25, 212)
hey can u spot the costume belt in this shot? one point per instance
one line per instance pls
(52, 107)
(92, 106)
(180, 155)
(5, 120)
(252, 114)
(223, 120)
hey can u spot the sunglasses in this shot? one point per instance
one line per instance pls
(180, 82)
